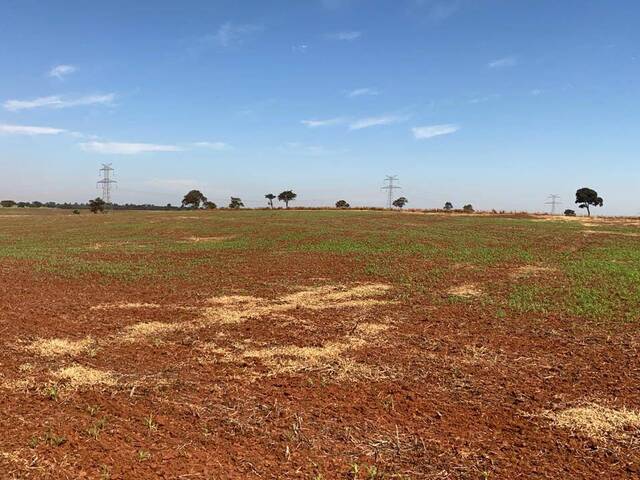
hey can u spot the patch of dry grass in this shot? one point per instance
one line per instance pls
(596, 421)
(54, 347)
(531, 271)
(142, 331)
(79, 376)
(465, 291)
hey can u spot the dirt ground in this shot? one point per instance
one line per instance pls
(318, 345)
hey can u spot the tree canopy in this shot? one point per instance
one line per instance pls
(96, 205)
(400, 202)
(236, 202)
(193, 199)
(342, 204)
(448, 206)
(286, 197)
(270, 197)
(586, 197)
(468, 208)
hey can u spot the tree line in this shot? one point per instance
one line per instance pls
(585, 199)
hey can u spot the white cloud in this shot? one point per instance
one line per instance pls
(359, 92)
(230, 34)
(345, 36)
(219, 146)
(117, 148)
(503, 62)
(61, 71)
(29, 130)
(536, 92)
(302, 48)
(376, 121)
(56, 101)
(323, 123)
(431, 131)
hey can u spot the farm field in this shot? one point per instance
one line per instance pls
(318, 345)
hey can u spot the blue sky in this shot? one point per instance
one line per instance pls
(497, 103)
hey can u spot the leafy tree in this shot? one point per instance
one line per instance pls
(286, 197)
(236, 202)
(209, 205)
(400, 202)
(8, 203)
(270, 197)
(586, 197)
(96, 205)
(569, 213)
(193, 199)
(342, 204)
(468, 208)
(448, 207)
(36, 204)
(76, 212)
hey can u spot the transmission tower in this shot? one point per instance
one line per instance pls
(106, 181)
(390, 187)
(553, 200)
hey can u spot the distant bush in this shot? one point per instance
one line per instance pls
(342, 204)
(569, 213)
(468, 208)
(8, 203)
(76, 212)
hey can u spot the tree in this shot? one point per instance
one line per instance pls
(342, 204)
(194, 198)
(209, 205)
(586, 197)
(286, 197)
(236, 202)
(569, 213)
(270, 197)
(8, 203)
(400, 202)
(468, 208)
(448, 207)
(96, 205)
(36, 204)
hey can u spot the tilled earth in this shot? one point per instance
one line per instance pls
(308, 357)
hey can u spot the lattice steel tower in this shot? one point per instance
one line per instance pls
(554, 201)
(106, 181)
(388, 180)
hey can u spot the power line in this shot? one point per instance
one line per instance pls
(554, 200)
(106, 182)
(390, 187)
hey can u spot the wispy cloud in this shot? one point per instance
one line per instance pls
(29, 130)
(344, 36)
(486, 98)
(430, 131)
(230, 34)
(61, 71)
(536, 92)
(437, 10)
(323, 123)
(510, 61)
(219, 146)
(376, 121)
(302, 48)
(57, 101)
(359, 92)
(110, 148)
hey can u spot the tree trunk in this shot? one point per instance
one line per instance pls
(588, 211)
